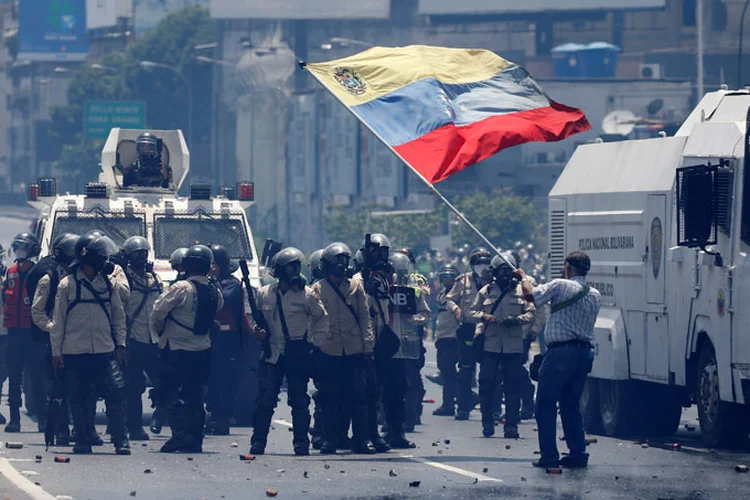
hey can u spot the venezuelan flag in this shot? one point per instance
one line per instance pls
(444, 109)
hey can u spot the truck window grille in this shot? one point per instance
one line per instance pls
(556, 243)
(724, 193)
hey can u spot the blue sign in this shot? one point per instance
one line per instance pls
(52, 30)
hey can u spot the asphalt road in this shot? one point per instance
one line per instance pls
(452, 461)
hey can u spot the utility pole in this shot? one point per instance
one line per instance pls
(699, 26)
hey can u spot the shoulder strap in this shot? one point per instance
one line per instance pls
(284, 327)
(497, 302)
(138, 310)
(567, 303)
(343, 299)
(54, 280)
(97, 295)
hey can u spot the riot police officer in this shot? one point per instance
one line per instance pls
(501, 314)
(227, 345)
(23, 353)
(398, 383)
(183, 317)
(175, 261)
(292, 312)
(143, 349)
(88, 339)
(446, 342)
(42, 281)
(316, 269)
(459, 300)
(148, 169)
(341, 353)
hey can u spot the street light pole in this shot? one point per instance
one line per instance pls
(699, 26)
(739, 49)
(152, 65)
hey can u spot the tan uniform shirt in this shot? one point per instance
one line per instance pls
(181, 301)
(405, 326)
(446, 320)
(499, 338)
(462, 295)
(346, 336)
(149, 287)
(120, 282)
(303, 312)
(39, 304)
(86, 328)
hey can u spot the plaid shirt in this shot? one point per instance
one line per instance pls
(575, 322)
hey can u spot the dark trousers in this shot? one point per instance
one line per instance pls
(414, 391)
(183, 376)
(374, 397)
(88, 376)
(3, 359)
(143, 359)
(226, 362)
(26, 355)
(467, 361)
(511, 366)
(392, 374)
(270, 378)
(562, 377)
(341, 380)
(58, 403)
(527, 387)
(447, 359)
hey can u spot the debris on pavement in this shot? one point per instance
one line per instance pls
(523, 479)
(304, 474)
(235, 445)
(476, 480)
(562, 438)
(507, 447)
(415, 484)
(741, 468)
(147, 471)
(270, 492)
(247, 458)
(62, 460)
(485, 470)
(428, 401)
(29, 473)
(14, 446)
(326, 466)
(591, 440)
(447, 441)
(133, 493)
(280, 471)
(554, 470)
(392, 473)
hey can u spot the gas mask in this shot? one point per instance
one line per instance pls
(447, 282)
(504, 277)
(378, 257)
(483, 271)
(139, 260)
(21, 254)
(290, 274)
(339, 266)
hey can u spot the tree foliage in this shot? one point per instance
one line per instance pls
(502, 216)
(120, 77)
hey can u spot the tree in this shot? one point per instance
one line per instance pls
(502, 216)
(120, 77)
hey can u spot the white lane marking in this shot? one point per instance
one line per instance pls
(455, 470)
(19, 460)
(283, 422)
(22, 483)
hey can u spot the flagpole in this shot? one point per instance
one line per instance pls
(303, 65)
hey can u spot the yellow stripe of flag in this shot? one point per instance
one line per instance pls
(380, 70)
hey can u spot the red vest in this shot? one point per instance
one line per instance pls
(17, 304)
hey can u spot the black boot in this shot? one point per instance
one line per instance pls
(122, 446)
(398, 439)
(380, 445)
(157, 421)
(138, 434)
(15, 420)
(444, 411)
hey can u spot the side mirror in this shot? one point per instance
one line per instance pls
(697, 209)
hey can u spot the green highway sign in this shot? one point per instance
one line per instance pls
(99, 117)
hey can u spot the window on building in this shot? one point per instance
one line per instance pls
(688, 12)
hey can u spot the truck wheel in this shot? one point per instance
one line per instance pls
(616, 404)
(722, 423)
(592, 418)
(664, 410)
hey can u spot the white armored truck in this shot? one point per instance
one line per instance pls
(120, 205)
(666, 223)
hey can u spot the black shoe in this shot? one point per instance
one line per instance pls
(462, 415)
(344, 443)
(435, 379)
(511, 432)
(408, 427)
(156, 422)
(138, 434)
(488, 431)
(14, 426)
(300, 451)
(401, 443)
(574, 462)
(257, 449)
(172, 445)
(122, 447)
(363, 449)
(317, 442)
(82, 449)
(380, 445)
(545, 464)
(96, 439)
(327, 449)
(444, 411)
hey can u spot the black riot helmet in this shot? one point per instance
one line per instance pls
(335, 259)
(447, 275)
(480, 255)
(64, 248)
(175, 260)
(25, 246)
(93, 250)
(315, 264)
(407, 251)
(136, 250)
(501, 269)
(286, 266)
(378, 251)
(400, 265)
(221, 258)
(357, 262)
(198, 260)
(146, 145)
